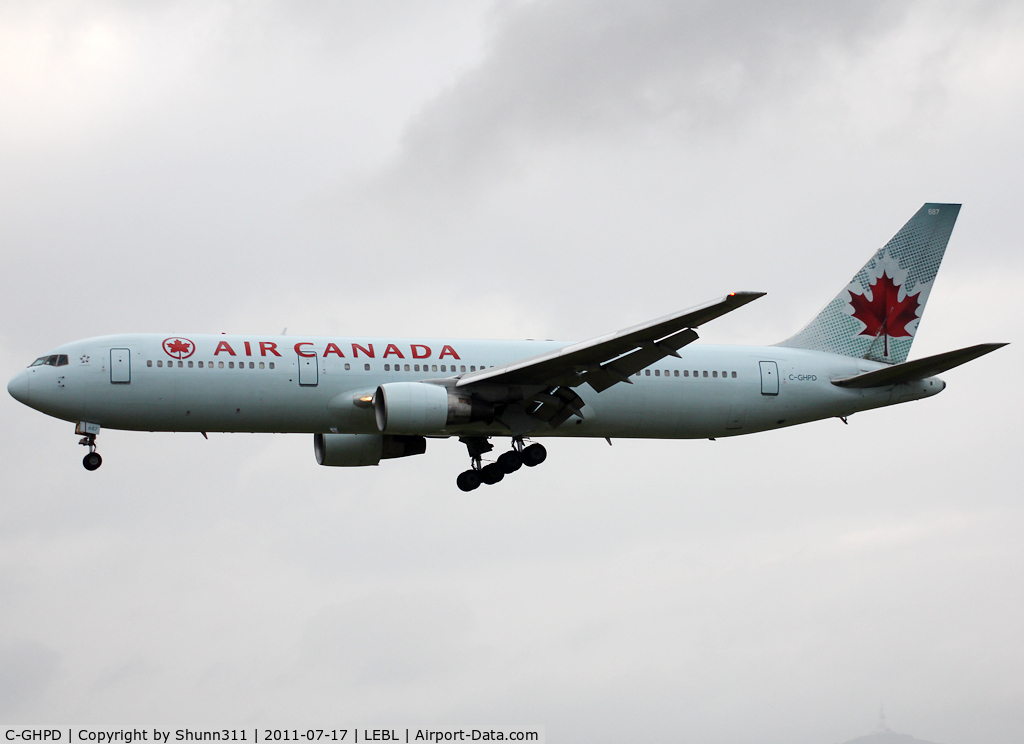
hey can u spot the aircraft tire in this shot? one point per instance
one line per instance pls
(468, 481)
(92, 461)
(510, 462)
(534, 455)
(491, 474)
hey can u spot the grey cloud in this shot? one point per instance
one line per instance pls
(393, 638)
(566, 69)
(27, 669)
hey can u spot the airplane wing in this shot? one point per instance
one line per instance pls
(603, 361)
(918, 369)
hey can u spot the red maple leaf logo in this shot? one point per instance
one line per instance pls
(885, 313)
(179, 348)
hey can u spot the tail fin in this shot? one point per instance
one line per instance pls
(878, 313)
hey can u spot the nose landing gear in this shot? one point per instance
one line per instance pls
(507, 463)
(92, 460)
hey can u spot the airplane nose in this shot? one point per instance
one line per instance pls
(18, 387)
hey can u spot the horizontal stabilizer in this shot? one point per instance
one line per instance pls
(918, 369)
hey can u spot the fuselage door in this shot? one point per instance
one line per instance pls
(308, 370)
(769, 378)
(120, 366)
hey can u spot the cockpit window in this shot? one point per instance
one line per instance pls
(62, 359)
(50, 360)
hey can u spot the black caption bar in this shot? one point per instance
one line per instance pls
(409, 735)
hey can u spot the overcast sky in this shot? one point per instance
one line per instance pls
(546, 169)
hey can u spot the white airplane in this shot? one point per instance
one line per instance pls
(369, 399)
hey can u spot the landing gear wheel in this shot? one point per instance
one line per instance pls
(491, 474)
(534, 455)
(92, 461)
(468, 481)
(510, 462)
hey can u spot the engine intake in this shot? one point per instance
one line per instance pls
(424, 408)
(359, 450)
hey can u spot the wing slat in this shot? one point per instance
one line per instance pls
(606, 360)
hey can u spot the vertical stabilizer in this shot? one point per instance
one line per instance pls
(877, 314)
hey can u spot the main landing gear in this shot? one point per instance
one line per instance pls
(509, 462)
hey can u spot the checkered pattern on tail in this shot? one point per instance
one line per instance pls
(907, 264)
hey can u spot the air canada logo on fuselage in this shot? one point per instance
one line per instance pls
(179, 348)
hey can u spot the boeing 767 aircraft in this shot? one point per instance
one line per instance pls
(369, 399)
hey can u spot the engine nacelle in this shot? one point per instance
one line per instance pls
(424, 408)
(358, 450)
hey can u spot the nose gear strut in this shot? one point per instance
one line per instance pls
(92, 460)
(91, 431)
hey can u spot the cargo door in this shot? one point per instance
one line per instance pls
(120, 366)
(308, 370)
(769, 378)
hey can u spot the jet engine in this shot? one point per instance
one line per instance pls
(357, 450)
(423, 408)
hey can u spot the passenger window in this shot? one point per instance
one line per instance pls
(347, 366)
(387, 367)
(366, 367)
(657, 373)
(705, 373)
(252, 365)
(261, 365)
(647, 372)
(676, 373)
(714, 373)
(433, 368)
(463, 367)
(686, 373)
(472, 368)
(220, 364)
(407, 368)
(190, 365)
(442, 368)
(416, 367)
(200, 365)
(667, 373)
(231, 365)
(734, 375)
(159, 362)
(149, 362)
(725, 374)
(272, 365)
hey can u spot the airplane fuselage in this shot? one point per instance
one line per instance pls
(322, 385)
